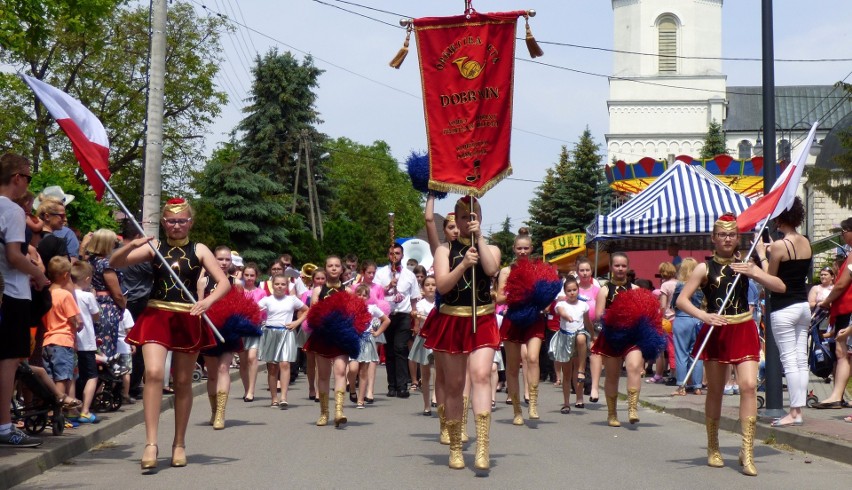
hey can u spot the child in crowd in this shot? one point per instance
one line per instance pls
(125, 355)
(369, 356)
(90, 312)
(420, 354)
(61, 323)
(278, 341)
(570, 344)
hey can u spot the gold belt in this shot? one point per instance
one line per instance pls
(739, 318)
(466, 310)
(170, 305)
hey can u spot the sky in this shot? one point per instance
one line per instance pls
(361, 98)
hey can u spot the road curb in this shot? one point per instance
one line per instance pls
(19, 465)
(798, 439)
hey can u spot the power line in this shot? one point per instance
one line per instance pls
(596, 48)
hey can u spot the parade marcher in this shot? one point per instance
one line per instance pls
(369, 354)
(570, 345)
(784, 271)
(136, 282)
(450, 334)
(734, 339)
(329, 356)
(278, 343)
(612, 358)
(515, 336)
(377, 298)
(420, 354)
(402, 293)
(171, 322)
(589, 288)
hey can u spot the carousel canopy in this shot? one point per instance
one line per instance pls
(743, 176)
(680, 207)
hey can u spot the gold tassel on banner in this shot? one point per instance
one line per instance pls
(532, 45)
(397, 60)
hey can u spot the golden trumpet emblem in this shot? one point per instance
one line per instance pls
(468, 68)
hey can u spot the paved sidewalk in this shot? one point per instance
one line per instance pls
(824, 433)
(19, 465)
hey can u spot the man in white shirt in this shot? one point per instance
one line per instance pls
(16, 269)
(402, 292)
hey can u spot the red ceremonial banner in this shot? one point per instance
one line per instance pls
(467, 68)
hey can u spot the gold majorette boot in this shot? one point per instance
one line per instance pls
(339, 418)
(456, 457)
(323, 399)
(212, 407)
(747, 450)
(534, 401)
(632, 405)
(466, 407)
(714, 456)
(516, 406)
(444, 435)
(483, 425)
(611, 414)
(221, 401)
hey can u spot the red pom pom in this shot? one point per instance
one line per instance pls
(234, 303)
(176, 200)
(352, 308)
(520, 285)
(629, 307)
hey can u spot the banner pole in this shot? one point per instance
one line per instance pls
(473, 270)
(158, 254)
(697, 355)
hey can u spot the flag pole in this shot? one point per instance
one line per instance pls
(473, 269)
(730, 293)
(162, 259)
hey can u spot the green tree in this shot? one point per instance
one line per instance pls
(584, 186)
(504, 240)
(85, 213)
(253, 207)
(714, 141)
(543, 208)
(836, 182)
(280, 113)
(96, 50)
(368, 185)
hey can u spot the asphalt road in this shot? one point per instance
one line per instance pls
(391, 445)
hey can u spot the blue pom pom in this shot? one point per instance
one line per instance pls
(523, 315)
(233, 330)
(544, 292)
(338, 330)
(418, 171)
(650, 340)
(619, 339)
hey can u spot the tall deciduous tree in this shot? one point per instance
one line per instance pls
(714, 141)
(368, 184)
(97, 50)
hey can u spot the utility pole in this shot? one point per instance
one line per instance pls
(313, 195)
(774, 393)
(152, 187)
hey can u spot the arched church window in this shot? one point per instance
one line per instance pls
(667, 42)
(784, 150)
(744, 150)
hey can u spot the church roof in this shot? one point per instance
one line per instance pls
(832, 147)
(795, 105)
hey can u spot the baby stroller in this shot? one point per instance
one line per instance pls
(43, 410)
(821, 356)
(108, 393)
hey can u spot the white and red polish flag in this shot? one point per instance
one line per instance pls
(87, 134)
(782, 194)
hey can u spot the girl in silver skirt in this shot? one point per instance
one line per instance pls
(369, 354)
(419, 353)
(278, 341)
(570, 344)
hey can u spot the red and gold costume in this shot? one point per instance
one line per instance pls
(737, 341)
(166, 320)
(601, 345)
(451, 329)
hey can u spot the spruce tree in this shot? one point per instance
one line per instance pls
(578, 197)
(504, 240)
(251, 204)
(543, 208)
(714, 141)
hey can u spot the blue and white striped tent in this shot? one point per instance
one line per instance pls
(682, 202)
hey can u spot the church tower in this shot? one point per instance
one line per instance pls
(667, 83)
